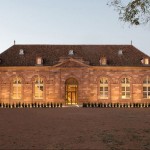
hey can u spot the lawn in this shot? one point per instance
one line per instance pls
(75, 128)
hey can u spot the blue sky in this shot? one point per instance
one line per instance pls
(66, 22)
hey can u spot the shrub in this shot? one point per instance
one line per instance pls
(44, 105)
(89, 104)
(47, 104)
(83, 105)
(54, 105)
(92, 105)
(13, 105)
(6, 105)
(27, 105)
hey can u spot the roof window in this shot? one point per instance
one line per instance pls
(103, 61)
(145, 61)
(120, 52)
(21, 52)
(39, 61)
(71, 53)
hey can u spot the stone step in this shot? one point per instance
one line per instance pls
(74, 105)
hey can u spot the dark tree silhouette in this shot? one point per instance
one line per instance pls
(135, 12)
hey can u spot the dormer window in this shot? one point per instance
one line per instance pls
(21, 52)
(120, 52)
(103, 61)
(71, 53)
(145, 61)
(39, 61)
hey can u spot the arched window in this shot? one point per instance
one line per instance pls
(17, 88)
(38, 88)
(125, 87)
(146, 88)
(103, 88)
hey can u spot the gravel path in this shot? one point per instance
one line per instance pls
(75, 128)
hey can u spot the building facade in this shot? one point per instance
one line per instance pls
(74, 74)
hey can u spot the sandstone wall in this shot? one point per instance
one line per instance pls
(88, 83)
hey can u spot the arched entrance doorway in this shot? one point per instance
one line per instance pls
(71, 87)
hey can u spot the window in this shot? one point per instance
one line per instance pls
(38, 88)
(21, 52)
(71, 52)
(125, 87)
(103, 61)
(103, 88)
(146, 88)
(39, 61)
(146, 61)
(120, 52)
(17, 88)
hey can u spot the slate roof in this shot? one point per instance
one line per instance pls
(91, 53)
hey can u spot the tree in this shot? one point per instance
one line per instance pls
(135, 12)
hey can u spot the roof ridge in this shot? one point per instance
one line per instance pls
(77, 44)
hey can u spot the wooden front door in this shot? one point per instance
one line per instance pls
(71, 91)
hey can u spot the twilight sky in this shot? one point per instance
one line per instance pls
(66, 22)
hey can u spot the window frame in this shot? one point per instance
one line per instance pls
(15, 88)
(125, 85)
(37, 87)
(103, 86)
(147, 86)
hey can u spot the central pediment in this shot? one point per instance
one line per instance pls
(71, 62)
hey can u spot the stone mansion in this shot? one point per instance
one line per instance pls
(74, 74)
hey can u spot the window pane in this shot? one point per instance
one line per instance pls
(144, 95)
(101, 93)
(106, 88)
(101, 88)
(128, 94)
(127, 88)
(123, 80)
(41, 88)
(123, 93)
(105, 81)
(101, 80)
(123, 88)
(149, 80)
(123, 96)
(127, 80)
(145, 81)
(106, 94)
(144, 88)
